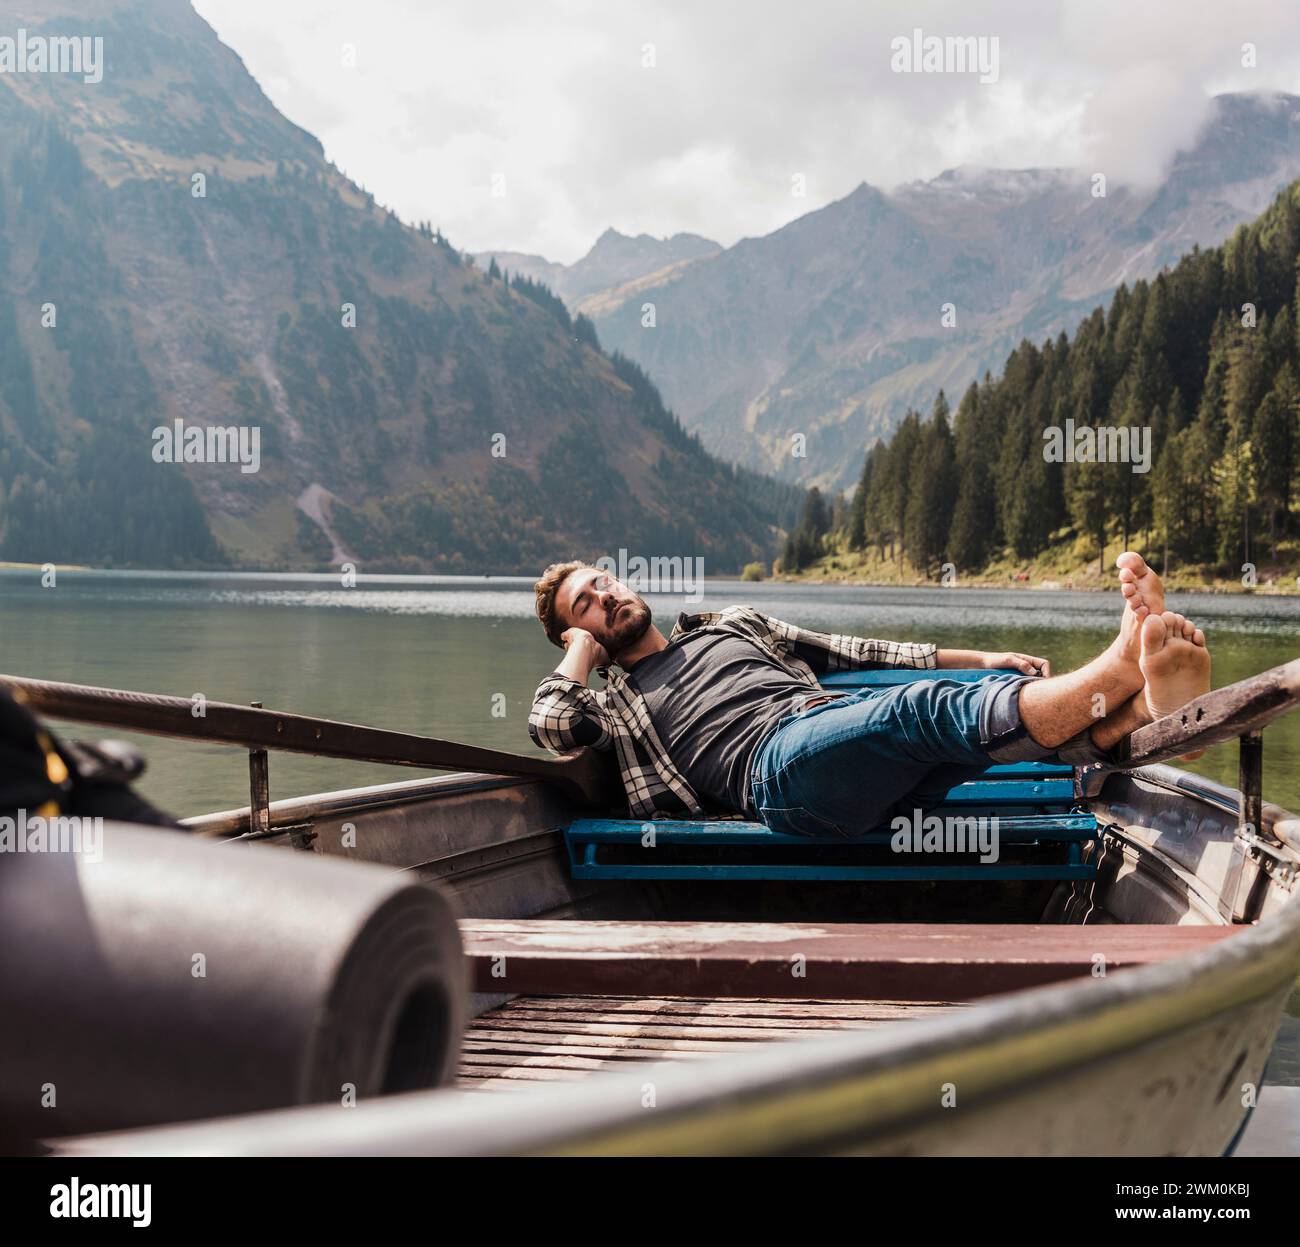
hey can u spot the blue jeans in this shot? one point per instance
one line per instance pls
(840, 768)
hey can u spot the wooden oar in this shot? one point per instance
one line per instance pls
(584, 775)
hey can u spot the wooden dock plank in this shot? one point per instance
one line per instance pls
(876, 961)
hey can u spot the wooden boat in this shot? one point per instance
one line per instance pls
(1124, 1005)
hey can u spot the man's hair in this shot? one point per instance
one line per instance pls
(546, 590)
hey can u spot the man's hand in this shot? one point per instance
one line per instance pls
(1027, 663)
(582, 653)
(1020, 662)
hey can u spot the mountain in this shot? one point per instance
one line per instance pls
(613, 262)
(1174, 412)
(832, 326)
(173, 249)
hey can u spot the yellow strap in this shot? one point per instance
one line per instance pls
(55, 768)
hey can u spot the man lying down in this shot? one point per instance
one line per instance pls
(726, 715)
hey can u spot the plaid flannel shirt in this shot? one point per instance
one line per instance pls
(568, 715)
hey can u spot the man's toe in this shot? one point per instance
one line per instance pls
(1154, 632)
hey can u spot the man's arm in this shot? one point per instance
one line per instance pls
(831, 651)
(827, 651)
(566, 714)
(953, 658)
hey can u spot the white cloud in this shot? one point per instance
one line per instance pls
(554, 96)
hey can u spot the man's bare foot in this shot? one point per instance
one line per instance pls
(1141, 587)
(1143, 594)
(1176, 664)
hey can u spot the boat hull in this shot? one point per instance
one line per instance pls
(1160, 1059)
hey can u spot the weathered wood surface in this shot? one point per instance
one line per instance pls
(561, 1038)
(1217, 716)
(852, 961)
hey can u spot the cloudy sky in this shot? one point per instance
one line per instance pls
(699, 115)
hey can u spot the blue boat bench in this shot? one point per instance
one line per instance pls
(1039, 818)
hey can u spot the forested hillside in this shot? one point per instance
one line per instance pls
(1205, 356)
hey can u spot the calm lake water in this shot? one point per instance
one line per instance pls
(460, 657)
(431, 654)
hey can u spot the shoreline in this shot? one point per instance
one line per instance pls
(1061, 567)
(1047, 585)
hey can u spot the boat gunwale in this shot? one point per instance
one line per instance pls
(294, 811)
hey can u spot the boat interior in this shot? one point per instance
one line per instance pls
(617, 967)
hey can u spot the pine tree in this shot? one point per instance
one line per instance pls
(859, 534)
(1275, 437)
(899, 480)
(933, 491)
(1167, 498)
(1200, 454)
(1235, 477)
(1248, 377)
(806, 543)
(974, 534)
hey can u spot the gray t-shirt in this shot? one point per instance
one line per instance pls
(712, 698)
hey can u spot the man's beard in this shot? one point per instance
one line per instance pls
(629, 626)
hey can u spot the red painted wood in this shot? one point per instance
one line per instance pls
(856, 961)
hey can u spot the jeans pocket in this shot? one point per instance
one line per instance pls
(795, 820)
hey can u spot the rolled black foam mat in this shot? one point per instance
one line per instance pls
(179, 978)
